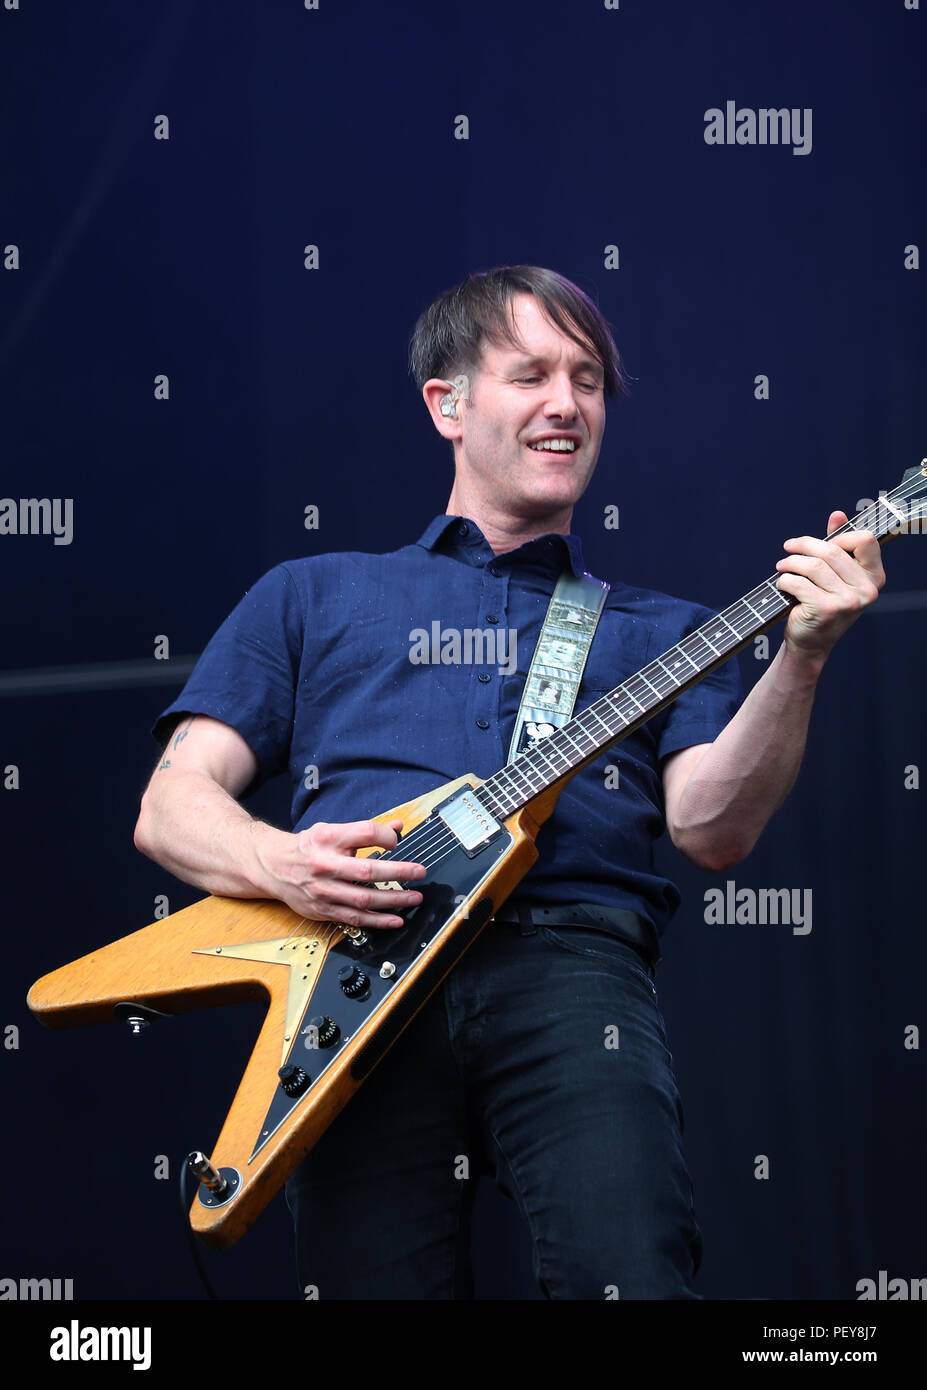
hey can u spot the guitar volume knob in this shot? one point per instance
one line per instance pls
(353, 981)
(293, 1080)
(327, 1030)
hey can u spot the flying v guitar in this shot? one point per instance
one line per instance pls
(338, 997)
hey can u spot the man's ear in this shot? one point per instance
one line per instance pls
(444, 400)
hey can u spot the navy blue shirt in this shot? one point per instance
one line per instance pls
(314, 668)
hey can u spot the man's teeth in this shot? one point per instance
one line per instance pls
(557, 446)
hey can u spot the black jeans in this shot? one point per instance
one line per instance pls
(541, 1060)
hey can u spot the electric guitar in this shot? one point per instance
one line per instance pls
(338, 997)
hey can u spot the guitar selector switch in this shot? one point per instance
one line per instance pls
(353, 981)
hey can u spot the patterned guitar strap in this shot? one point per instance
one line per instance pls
(559, 659)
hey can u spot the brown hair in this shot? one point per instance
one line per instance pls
(449, 335)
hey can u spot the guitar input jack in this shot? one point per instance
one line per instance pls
(217, 1186)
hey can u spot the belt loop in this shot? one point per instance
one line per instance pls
(526, 926)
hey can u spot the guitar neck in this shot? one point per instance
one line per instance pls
(631, 704)
(612, 717)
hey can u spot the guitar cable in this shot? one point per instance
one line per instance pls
(188, 1229)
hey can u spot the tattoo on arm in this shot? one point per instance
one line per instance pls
(184, 731)
(166, 763)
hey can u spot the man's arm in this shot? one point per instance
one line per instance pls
(191, 823)
(720, 796)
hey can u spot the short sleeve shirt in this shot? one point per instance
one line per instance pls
(353, 674)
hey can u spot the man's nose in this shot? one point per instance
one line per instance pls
(561, 400)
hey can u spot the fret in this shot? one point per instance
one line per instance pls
(651, 697)
(509, 773)
(669, 673)
(884, 502)
(537, 753)
(705, 638)
(694, 665)
(652, 686)
(486, 796)
(581, 751)
(767, 598)
(745, 625)
(532, 772)
(585, 733)
(591, 710)
(523, 777)
(614, 708)
(659, 676)
(697, 637)
(496, 808)
(631, 716)
(511, 793)
(525, 770)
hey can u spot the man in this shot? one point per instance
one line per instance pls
(504, 1070)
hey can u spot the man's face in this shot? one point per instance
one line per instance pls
(550, 389)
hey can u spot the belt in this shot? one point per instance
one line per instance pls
(618, 921)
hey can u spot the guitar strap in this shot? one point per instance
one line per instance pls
(559, 659)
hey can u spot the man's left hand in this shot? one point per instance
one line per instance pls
(833, 580)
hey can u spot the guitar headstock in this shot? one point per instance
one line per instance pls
(901, 512)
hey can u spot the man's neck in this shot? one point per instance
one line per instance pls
(506, 532)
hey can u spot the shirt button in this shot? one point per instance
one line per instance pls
(484, 678)
(491, 618)
(463, 529)
(495, 571)
(482, 723)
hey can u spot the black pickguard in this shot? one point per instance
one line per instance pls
(457, 876)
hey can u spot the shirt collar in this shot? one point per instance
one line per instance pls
(461, 537)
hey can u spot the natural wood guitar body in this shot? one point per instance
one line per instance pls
(210, 954)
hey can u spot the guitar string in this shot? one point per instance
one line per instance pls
(431, 840)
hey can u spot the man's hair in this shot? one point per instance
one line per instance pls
(449, 336)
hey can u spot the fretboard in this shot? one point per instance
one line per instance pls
(624, 709)
(632, 703)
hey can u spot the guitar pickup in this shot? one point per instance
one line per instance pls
(469, 821)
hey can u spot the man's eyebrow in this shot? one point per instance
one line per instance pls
(585, 364)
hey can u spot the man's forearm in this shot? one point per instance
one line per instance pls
(192, 825)
(195, 829)
(745, 775)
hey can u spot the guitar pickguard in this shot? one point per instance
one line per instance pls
(459, 875)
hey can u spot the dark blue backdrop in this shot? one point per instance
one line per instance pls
(128, 258)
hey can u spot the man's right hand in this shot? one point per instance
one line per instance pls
(315, 872)
(191, 823)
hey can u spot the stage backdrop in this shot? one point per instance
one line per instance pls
(218, 224)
